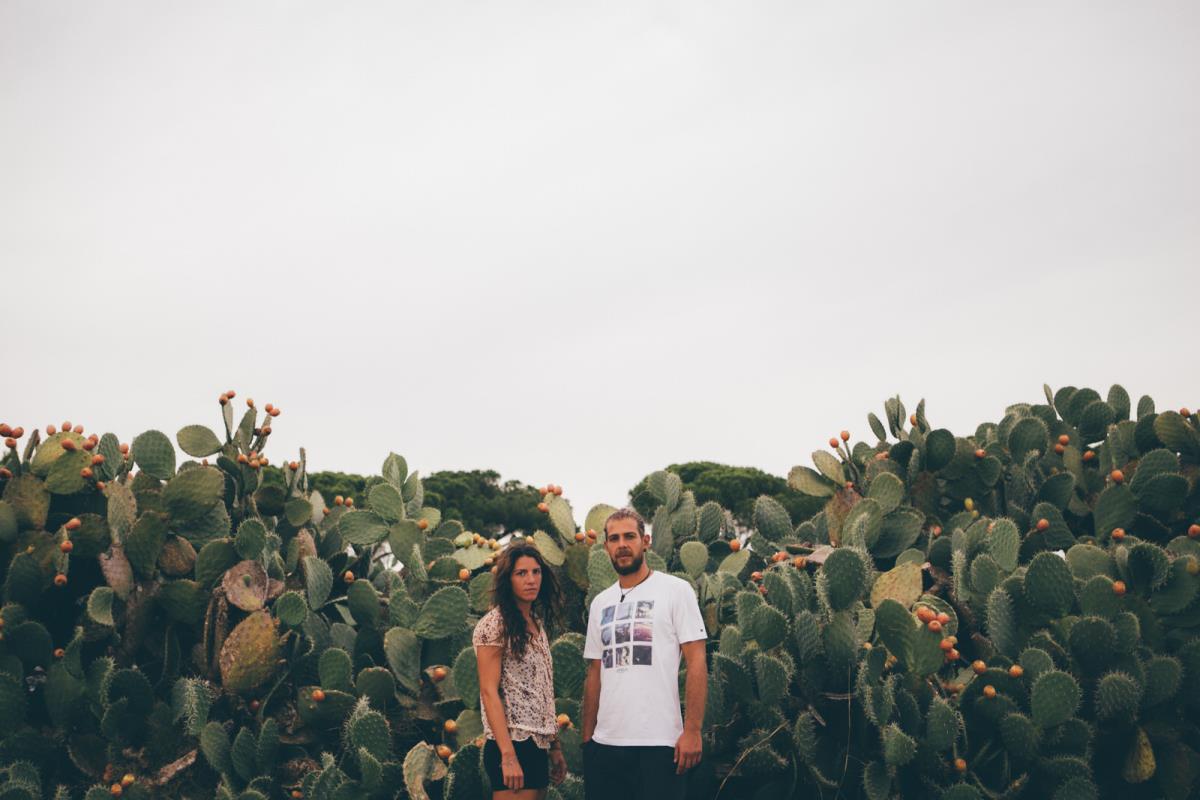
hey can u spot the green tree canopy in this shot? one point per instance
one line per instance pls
(735, 488)
(482, 503)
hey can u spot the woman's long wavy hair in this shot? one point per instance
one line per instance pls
(547, 606)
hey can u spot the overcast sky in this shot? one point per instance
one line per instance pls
(577, 242)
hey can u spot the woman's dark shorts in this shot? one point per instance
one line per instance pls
(535, 763)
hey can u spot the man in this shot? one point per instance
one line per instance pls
(636, 745)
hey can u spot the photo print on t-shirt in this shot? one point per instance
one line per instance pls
(621, 657)
(634, 624)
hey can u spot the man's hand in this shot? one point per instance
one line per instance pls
(558, 766)
(688, 750)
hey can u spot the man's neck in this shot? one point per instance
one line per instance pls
(634, 578)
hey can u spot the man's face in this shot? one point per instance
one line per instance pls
(626, 547)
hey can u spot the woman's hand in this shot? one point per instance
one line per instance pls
(510, 768)
(558, 766)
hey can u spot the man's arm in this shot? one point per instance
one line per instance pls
(690, 746)
(591, 698)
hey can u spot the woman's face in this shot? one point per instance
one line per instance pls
(526, 579)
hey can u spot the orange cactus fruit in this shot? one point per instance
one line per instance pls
(1119, 588)
(989, 692)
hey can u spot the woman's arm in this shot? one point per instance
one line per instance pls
(489, 659)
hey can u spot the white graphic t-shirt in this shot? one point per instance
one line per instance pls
(637, 643)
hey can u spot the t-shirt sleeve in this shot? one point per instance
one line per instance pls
(592, 648)
(685, 612)
(487, 632)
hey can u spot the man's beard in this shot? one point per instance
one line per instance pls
(633, 567)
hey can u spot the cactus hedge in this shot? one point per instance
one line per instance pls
(1010, 613)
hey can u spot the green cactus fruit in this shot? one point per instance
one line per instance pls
(1048, 584)
(250, 655)
(1117, 696)
(1055, 697)
(846, 572)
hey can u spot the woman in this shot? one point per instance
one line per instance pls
(516, 680)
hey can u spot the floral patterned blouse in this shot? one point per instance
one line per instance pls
(526, 684)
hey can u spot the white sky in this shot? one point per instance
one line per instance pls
(576, 242)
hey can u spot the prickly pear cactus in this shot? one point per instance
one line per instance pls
(1009, 613)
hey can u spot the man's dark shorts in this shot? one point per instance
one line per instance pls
(631, 773)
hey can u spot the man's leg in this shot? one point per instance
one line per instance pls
(609, 772)
(657, 778)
